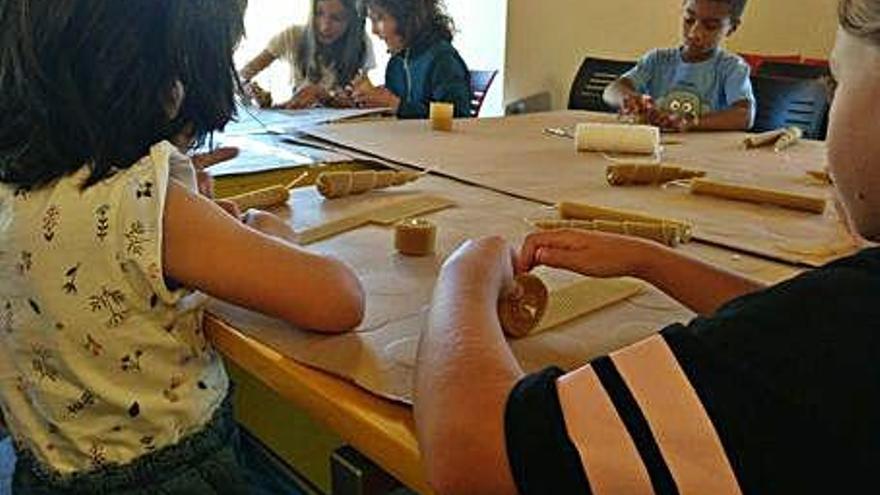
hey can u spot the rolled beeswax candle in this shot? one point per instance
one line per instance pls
(521, 309)
(618, 138)
(751, 194)
(634, 174)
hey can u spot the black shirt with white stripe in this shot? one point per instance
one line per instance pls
(789, 378)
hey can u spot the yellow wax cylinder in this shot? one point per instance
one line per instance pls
(415, 237)
(441, 116)
(617, 138)
(261, 198)
(738, 192)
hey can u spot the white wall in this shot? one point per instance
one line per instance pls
(482, 39)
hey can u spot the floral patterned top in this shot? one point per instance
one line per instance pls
(100, 361)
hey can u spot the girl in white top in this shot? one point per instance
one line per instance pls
(108, 383)
(326, 55)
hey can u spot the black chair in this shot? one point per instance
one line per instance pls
(592, 78)
(797, 71)
(481, 81)
(802, 71)
(785, 101)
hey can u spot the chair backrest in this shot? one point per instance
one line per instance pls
(791, 102)
(594, 75)
(799, 71)
(481, 81)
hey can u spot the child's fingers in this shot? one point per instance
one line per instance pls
(556, 239)
(229, 207)
(205, 183)
(565, 259)
(202, 161)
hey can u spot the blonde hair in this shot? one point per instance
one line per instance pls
(861, 18)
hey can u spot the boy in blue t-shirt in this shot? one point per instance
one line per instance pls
(697, 86)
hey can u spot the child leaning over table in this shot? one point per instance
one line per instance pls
(107, 382)
(424, 66)
(695, 87)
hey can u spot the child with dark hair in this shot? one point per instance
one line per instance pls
(107, 381)
(424, 66)
(326, 55)
(697, 86)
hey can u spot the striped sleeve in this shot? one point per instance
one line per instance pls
(778, 392)
(636, 425)
(542, 458)
(628, 423)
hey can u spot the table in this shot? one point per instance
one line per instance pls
(379, 428)
(513, 155)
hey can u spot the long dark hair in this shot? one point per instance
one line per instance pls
(87, 82)
(418, 20)
(346, 55)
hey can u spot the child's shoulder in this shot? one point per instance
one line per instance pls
(731, 60)
(437, 46)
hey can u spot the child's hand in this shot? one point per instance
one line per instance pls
(259, 95)
(342, 99)
(269, 224)
(306, 97)
(594, 254)
(229, 207)
(668, 121)
(376, 98)
(203, 161)
(637, 104)
(483, 263)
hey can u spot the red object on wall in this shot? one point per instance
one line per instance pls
(756, 59)
(819, 62)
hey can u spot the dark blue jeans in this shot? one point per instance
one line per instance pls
(210, 462)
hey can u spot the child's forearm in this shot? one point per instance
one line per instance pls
(736, 118)
(257, 65)
(701, 287)
(464, 374)
(616, 92)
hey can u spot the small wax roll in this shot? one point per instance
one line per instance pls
(822, 176)
(626, 174)
(780, 138)
(520, 309)
(415, 237)
(664, 233)
(762, 139)
(737, 192)
(261, 198)
(618, 138)
(442, 115)
(582, 211)
(790, 137)
(339, 184)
